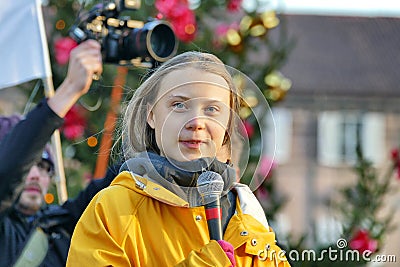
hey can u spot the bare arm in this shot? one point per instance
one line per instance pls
(85, 60)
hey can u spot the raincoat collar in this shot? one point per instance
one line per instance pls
(179, 177)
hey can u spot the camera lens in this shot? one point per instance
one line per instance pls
(162, 42)
(156, 40)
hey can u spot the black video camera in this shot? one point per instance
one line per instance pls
(125, 41)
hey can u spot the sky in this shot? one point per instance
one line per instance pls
(385, 8)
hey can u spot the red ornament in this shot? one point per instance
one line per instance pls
(396, 160)
(74, 123)
(185, 28)
(73, 132)
(182, 19)
(361, 241)
(62, 49)
(249, 129)
(395, 154)
(166, 7)
(221, 30)
(234, 5)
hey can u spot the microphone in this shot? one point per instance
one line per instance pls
(210, 185)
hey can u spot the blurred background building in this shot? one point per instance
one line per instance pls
(345, 78)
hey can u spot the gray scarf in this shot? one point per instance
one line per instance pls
(179, 177)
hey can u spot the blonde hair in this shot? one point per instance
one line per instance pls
(137, 135)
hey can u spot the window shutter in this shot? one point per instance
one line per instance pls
(329, 138)
(373, 137)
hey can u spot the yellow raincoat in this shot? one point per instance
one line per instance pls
(136, 222)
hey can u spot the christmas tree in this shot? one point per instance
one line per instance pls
(252, 40)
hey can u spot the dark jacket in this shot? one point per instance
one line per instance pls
(19, 150)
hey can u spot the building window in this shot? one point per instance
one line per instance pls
(351, 128)
(339, 132)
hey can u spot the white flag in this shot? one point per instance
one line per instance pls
(24, 54)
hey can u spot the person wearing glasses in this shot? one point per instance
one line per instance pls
(33, 233)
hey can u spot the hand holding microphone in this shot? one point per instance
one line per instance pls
(210, 185)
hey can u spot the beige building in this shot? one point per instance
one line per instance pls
(346, 80)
